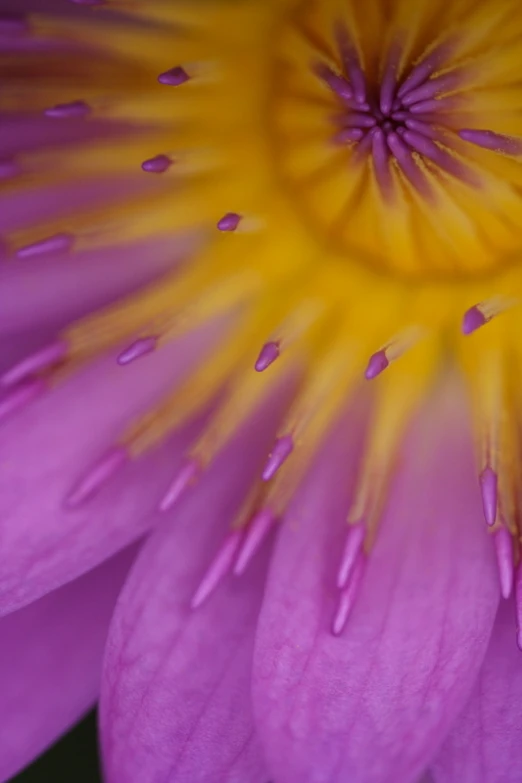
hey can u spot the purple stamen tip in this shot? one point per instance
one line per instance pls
(68, 110)
(157, 165)
(347, 598)
(377, 364)
(256, 533)
(473, 320)
(229, 222)
(269, 353)
(42, 360)
(137, 349)
(489, 489)
(58, 243)
(175, 77)
(504, 552)
(219, 568)
(186, 476)
(283, 447)
(97, 476)
(497, 142)
(352, 549)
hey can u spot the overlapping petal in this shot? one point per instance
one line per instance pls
(373, 705)
(48, 447)
(50, 661)
(176, 699)
(485, 744)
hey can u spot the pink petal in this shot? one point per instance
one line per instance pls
(55, 289)
(373, 705)
(176, 697)
(485, 744)
(50, 662)
(46, 449)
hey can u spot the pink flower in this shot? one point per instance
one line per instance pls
(251, 251)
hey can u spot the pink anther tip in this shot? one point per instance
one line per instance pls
(56, 244)
(281, 450)
(269, 353)
(377, 364)
(229, 222)
(97, 476)
(40, 361)
(72, 110)
(255, 535)
(139, 348)
(489, 489)
(185, 476)
(174, 77)
(473, 320)
(156, 165)
(218, 569)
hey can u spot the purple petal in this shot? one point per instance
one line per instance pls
(47, 449)
(56, 290)
(50, 662)
(176, 696)
(485, 743)
(27, 132)
(374, 704)
(24, 207)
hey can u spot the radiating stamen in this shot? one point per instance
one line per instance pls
(267, 356)
(174, 77)
(432, 88)
(218, 569)
(59, 243)
(504, 552)
(489, 489)
(347, 598)
(421, 72)
(188, 474)
(498, 142)
(255, 535)
(352, 549)
(64, 111)
(97, 476)
(282, 449)
(137, 349)
(337, 83)
(351, 63)
(43, 359)
(389, 81)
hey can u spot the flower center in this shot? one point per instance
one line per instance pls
(380, 141)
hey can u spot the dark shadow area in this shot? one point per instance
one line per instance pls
(73, 758)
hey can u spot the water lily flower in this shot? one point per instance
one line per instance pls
(260, 381)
